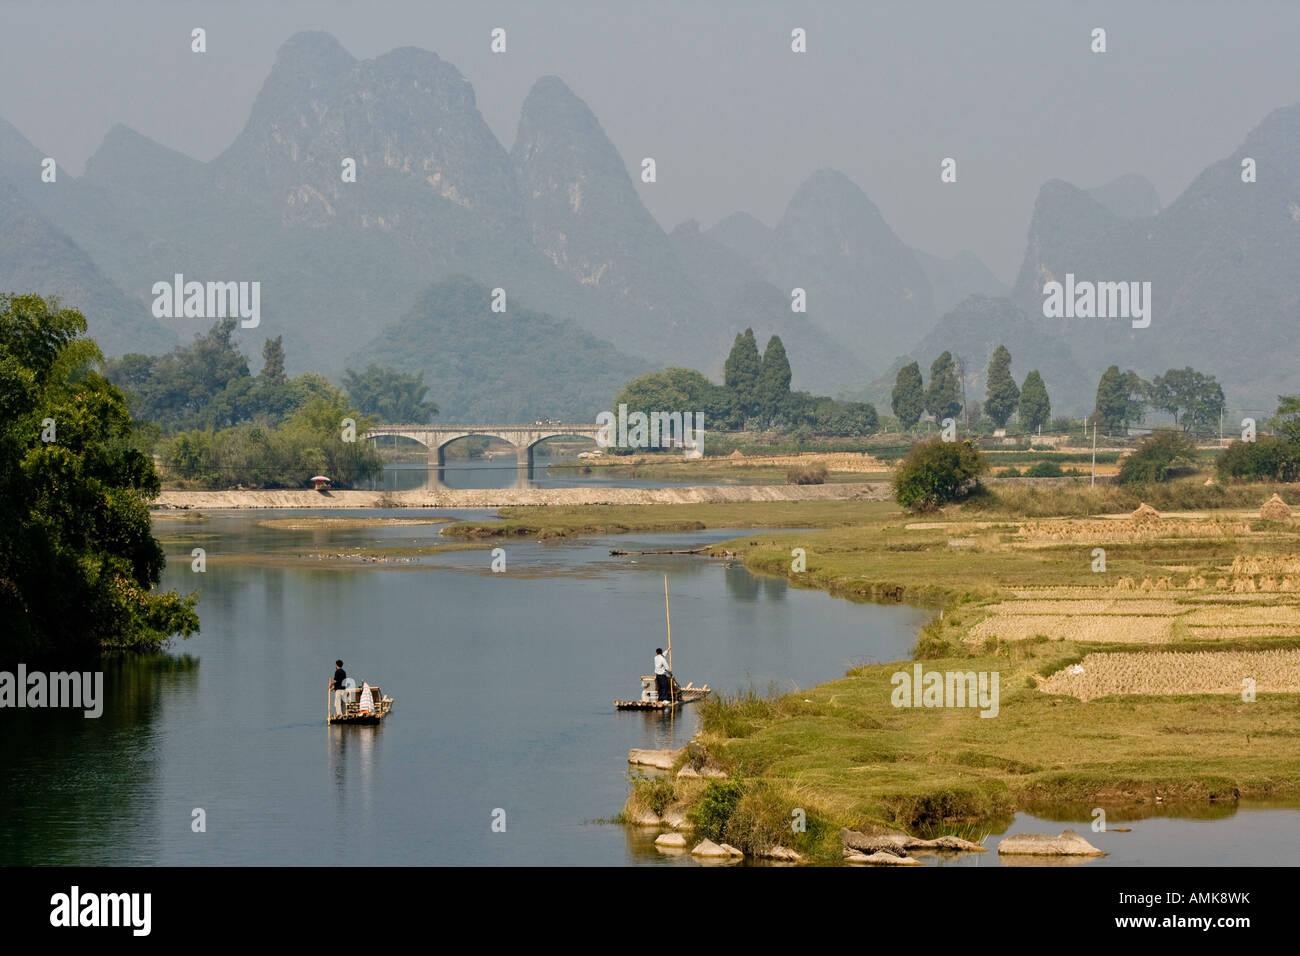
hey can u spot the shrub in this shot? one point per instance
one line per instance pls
(1044, 469)
(1267, 458)
(1156, 459)
(814, 474)
(1009, 473)
(715, 808)
(937, 472)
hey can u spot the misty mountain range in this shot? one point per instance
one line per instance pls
(398, 267)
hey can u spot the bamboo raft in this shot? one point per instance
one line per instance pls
(352, 707)
(678, 694)
(681, 695)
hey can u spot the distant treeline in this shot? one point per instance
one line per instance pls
(214, 423)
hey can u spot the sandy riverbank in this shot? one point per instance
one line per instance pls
(501, 497)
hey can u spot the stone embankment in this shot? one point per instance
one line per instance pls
(502, 497)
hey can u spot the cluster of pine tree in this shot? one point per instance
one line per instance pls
(944, 396)
(755, 395)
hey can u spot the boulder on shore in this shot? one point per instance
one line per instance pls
(659, 759)
(1068, 843)
(676, 819)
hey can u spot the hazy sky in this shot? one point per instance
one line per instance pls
(712, 91)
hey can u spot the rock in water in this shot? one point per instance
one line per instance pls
(879, 840)
(671, 840)
(782, 853)
(710, 849)
(642, 818)
(879, 859)
(1068, 843)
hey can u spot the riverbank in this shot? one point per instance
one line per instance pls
(1162, 681)
(502, 497)
(737, 467)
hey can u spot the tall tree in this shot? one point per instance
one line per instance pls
(78, 560)
(273, 360)
(1287, 419)
(1035, 408)
(773, 385)
(675, 390)
(1193, 398)
(1002, 395)
(1121, 399)
(740, 373)
(389, 395)
(943, 397)
(908, 398)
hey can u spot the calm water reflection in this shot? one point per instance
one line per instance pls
(504, 686)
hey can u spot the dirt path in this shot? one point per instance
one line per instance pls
(500, 497)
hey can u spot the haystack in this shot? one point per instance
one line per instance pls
(1145, 514)
(1275, 509)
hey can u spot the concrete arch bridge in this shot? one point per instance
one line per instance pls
(436, 438)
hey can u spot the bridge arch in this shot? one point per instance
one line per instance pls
(524, 438)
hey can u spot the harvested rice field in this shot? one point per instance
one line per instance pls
(1198, 672)
(1130, 616)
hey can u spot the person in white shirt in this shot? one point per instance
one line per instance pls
(663, 686)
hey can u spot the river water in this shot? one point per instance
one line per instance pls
(504, 684)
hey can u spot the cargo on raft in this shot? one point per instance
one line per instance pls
(649, 700)
(365, 706)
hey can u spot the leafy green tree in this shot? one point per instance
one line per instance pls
(1287, 420)
(1001, 394)
(273, 360)
(1121, 400)
(943, 397)
(675, 390)
(1035, 407)
(78, 560)
(188, 455)
(202, 385)
(908, 398)
(937, 472)
(389, 395)
(1267, 458)
(1161, 456)
(772, 389)
(1194, 399)
(740, 373)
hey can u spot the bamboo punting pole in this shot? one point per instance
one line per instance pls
(672, 695)
(668, 616)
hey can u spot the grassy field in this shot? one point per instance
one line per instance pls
(769, 468)
(555, 521)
